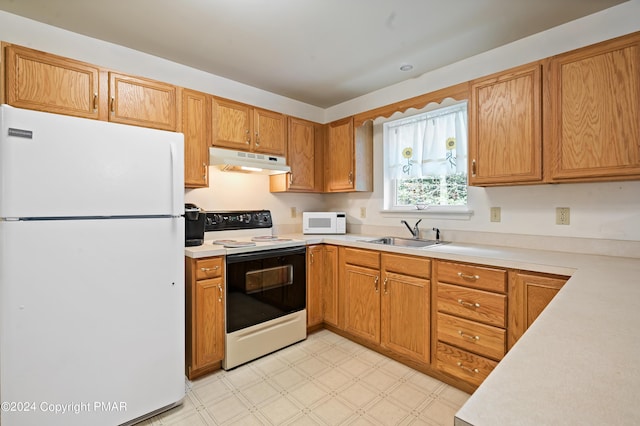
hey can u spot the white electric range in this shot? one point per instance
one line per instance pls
(265, 280)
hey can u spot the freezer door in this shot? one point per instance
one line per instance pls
(91, 319)
(53, 165)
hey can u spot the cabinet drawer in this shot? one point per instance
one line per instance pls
(473, 276)
(209, 268)
(476, 305)
(462, 364)
(479, 338)
(366, 258)
(407, 265)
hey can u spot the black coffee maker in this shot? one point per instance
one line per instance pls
(193, 225)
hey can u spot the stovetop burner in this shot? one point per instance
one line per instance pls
(234, 243)
(269, 238)
(244, 231)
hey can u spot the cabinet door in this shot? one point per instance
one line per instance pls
(315, 284)
(405, 315)
(209, 322)
(232, 124)
(330, 286)
(196, 119)
(529, 294)
(269, 132)
(40, 81)
(505, 127)
(340, 151)
(595, 105)
(362, 302)
(142, 102)
(304, 156)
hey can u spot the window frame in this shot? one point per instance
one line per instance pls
(389, 184)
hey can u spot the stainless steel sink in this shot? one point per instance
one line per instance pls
(404, 242)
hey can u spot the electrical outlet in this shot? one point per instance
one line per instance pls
(293, 212)
(363, 212)
(495, 214)
(562, 216)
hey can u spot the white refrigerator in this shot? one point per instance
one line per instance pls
(91, 270)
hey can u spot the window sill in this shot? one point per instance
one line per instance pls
(456, 213)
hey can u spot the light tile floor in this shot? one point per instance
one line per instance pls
(324, 380)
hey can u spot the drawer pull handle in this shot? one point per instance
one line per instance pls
(469, 337)
(467, 369)
(468, 277)
(385, 285)
(375, 282)
(468, 304)
(220, 290)
(215, 268)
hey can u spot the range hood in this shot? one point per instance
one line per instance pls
(248, 162)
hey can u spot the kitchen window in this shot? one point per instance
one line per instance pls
(425, 161)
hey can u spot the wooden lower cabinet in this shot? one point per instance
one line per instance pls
(529, 294)
(462, 364)
(322, 285)
(386, 300)
(204, 307)
(452, 320)
(471, 319)
(362, 302)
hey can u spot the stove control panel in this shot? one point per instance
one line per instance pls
(231, 220)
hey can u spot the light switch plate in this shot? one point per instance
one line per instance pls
(495, 214)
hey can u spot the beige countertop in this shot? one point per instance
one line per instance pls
(577, 364)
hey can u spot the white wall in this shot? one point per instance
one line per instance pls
(26, 32)
(240, 191)
(599, 211)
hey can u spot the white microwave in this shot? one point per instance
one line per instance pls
(324, 223)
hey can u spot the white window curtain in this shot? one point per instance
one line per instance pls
(429, 144)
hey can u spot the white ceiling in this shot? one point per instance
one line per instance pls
(322, 52)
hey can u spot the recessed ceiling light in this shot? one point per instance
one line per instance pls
(406, 67)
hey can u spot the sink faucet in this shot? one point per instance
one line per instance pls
(415, 231)
(437, 235)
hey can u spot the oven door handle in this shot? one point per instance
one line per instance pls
(264, 254)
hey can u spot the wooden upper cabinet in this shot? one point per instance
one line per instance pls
(304, 156)
(44, 82)
(594, 112)
(232, 124)
(270, 132)
(349, 156)
(242, 127)
(142, 102)
(196, 126)
(505, 127)
(340, 156)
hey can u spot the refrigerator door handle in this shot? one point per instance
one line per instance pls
(176, 204)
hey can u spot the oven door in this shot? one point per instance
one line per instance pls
(265, 285)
